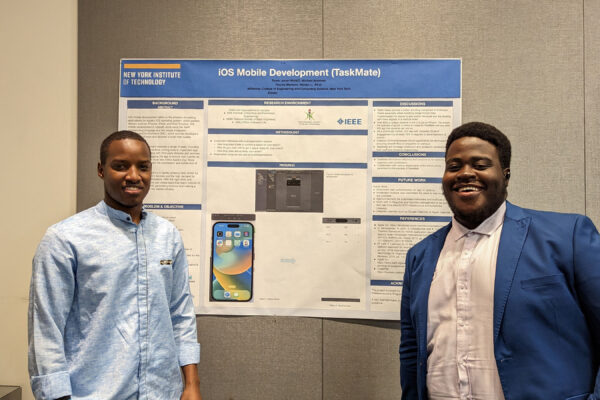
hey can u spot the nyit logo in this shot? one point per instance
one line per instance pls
(350, 121)
(310, 115)
(166, 262)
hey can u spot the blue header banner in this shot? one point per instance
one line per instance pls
(390, 179)
(411, 218)
(155, 104)
(311, 132)
(171, 206)
(287, 103)
(378, 282)
(413, 104)
(235, 164)
(395, 154)
(357, 79)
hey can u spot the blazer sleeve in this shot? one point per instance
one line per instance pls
(408, 339)
(586, 261)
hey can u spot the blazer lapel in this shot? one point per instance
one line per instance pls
(514, 232)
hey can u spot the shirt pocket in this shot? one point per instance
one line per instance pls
(160, 269)
(164, 264)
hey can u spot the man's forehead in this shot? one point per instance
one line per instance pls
(119, 157)
(472, 144)
(127, 147)
(472, 157)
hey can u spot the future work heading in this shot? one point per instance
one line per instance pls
(301, 73)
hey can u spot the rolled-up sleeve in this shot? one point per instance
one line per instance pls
(50, 298)
(183, 316)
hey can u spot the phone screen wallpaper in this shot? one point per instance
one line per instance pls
(232, 261)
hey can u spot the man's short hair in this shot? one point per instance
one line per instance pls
(119, 135)
(485, 132)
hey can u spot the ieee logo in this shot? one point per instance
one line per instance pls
(350, 121)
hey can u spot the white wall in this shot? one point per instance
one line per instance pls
(38, 115)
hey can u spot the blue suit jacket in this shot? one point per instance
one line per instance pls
(546, 307)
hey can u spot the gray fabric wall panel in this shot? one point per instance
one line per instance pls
(592, 109)
(109, 31)
(522, 71)
(260, 358)
(360, 360)
(242, 358)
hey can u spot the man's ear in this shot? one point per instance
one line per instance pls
(506, 174)
(100, 171)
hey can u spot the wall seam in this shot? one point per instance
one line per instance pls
(322, 319)
(585, 161)
(322, 28)
(322, 359)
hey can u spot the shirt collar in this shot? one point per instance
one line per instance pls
(487, 227)
(117, 214)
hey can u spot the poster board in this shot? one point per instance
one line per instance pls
(337, 165)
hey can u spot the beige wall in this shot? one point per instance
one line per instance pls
(38, 87)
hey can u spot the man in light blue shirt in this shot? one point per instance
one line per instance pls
(110, 310)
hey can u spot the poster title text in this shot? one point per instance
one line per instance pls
(301, 73)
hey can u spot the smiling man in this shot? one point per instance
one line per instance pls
(110, 310)
(503, 303)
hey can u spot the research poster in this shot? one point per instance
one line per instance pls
(297, 185)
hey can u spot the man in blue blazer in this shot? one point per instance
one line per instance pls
(503, 303)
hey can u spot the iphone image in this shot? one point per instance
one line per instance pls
(231, 261)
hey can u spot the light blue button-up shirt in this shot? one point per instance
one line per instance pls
(110, 310)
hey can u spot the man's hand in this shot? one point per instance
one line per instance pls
(191, 391)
